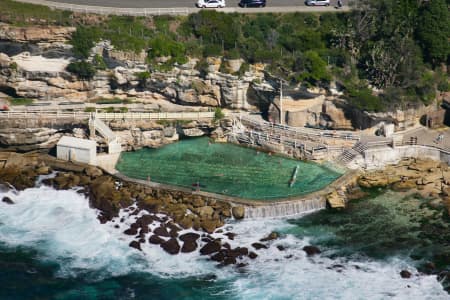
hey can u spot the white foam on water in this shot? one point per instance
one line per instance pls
(291, 274)
(62, 227)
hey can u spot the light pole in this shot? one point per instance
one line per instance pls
(281, 102)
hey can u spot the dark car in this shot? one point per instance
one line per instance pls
(252, 3)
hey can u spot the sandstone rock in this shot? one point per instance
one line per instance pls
(311, 250)
(43, 170)
(210, 247)
(5, 61)
(7, 200)
(238, 212)
(272, 236)
(35, 34)
(205, 211)
(171, 246)
(93, 172)
(186, 222)
(193, 132)
(208, 225)
(197, 201)
(404, 185)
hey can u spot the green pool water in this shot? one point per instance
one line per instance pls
(225, 169)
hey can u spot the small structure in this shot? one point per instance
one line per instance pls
(77, 150)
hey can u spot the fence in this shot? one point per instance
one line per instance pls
(111, 10)
(109, 116)
(174, 11)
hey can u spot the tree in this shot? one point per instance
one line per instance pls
(82, 69)
(312, 68)
(434, 31)
(83, 40)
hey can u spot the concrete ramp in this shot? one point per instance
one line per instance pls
(97, 125)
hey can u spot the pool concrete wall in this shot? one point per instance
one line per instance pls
(378, 158)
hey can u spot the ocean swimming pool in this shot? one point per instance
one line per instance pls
(226, 169)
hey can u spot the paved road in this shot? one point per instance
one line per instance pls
(156, 7)
(169, 3)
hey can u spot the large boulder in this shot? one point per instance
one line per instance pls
(210, 248)
(171, 246)
(238, 212)
(311, 250)
(7, 200)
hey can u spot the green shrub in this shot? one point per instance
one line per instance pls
(164, 46)
(202, 66)
(113, 101)
(89, 109)
(99, 62)
(245, 67)
(364, 99)
(20, 101)
(123, 109)
(13, 66)
(218, 114)
(233, 54)
(82, 69)
(311, 68)
(83, 40)
(142, 76)
(223, 68)
(212, 50)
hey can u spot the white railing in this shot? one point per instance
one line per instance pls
(109, 116)
(103, 129)
(112, 10)
(310, 132)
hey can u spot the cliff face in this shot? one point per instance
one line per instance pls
(33, 62)
(43, 134)
(35, 34)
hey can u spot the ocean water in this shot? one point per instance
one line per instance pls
(53, 247)
(226, 169)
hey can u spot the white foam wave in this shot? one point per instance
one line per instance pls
(62, 227)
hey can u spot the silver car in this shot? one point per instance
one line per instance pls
(210, 3)
(317, 2)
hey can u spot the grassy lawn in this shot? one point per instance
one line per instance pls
(23, 14)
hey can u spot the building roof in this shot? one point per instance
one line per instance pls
(68, 141)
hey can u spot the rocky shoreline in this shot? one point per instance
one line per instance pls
(178, 222)
(183, 223)
(428, 178)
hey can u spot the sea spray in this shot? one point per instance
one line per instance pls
(62, 228)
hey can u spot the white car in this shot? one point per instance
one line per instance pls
(210, 3)
(317, 2)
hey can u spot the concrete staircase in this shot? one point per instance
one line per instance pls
(349, 154)
(98, 125)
